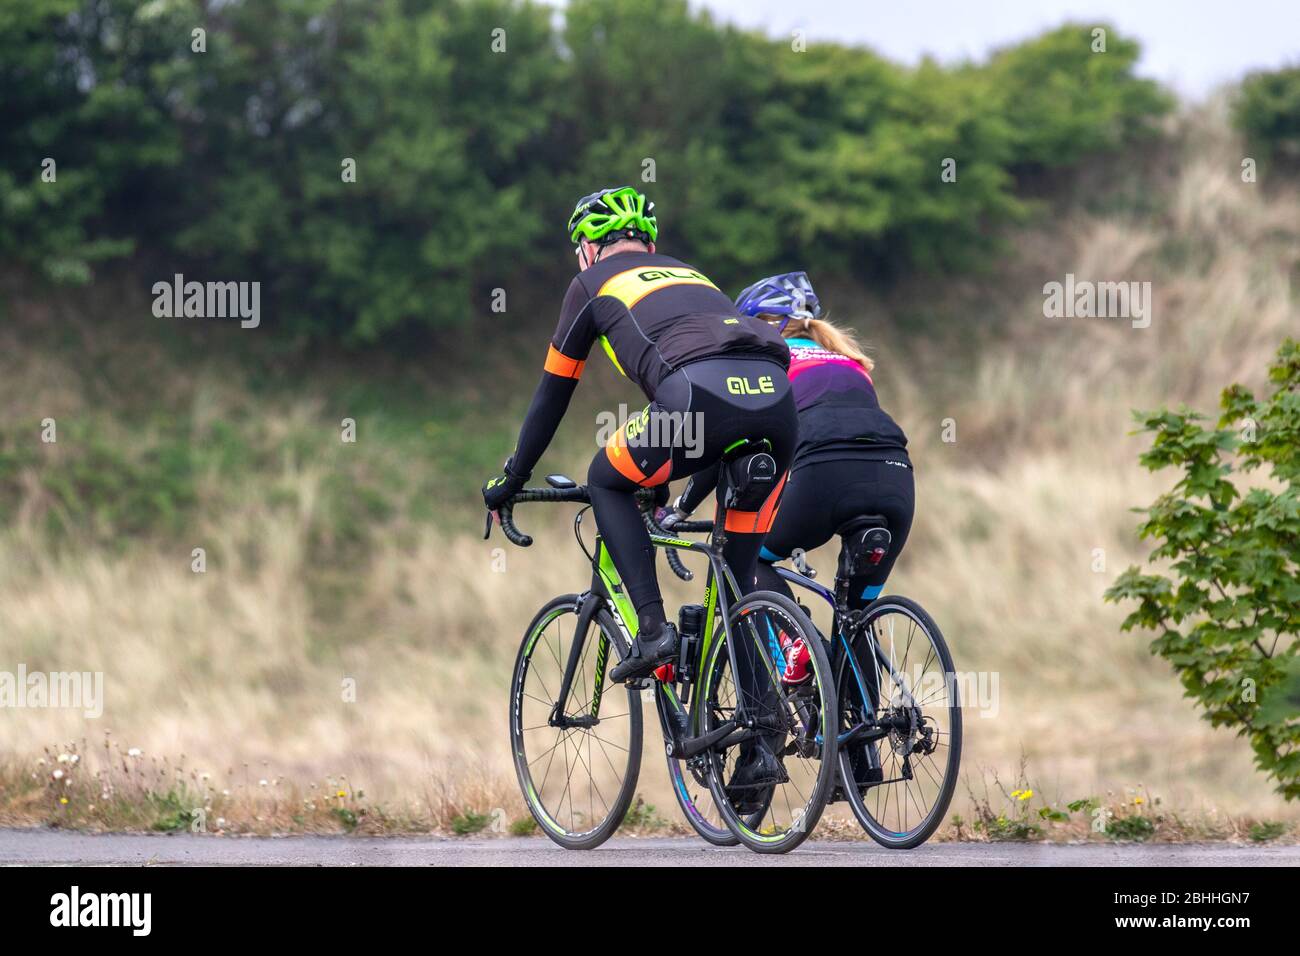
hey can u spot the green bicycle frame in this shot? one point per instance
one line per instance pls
(681, 726)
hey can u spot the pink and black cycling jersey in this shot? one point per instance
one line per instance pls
(839, 414)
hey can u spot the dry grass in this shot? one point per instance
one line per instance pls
(243, 668)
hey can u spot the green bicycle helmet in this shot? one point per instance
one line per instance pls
(612, 214)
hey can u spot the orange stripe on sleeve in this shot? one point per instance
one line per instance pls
(557, 363)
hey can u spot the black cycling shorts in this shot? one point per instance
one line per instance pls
(820, 497)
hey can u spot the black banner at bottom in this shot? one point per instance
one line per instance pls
(299, 905)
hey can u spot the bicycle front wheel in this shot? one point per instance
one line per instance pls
(577, 760)
(771, 777)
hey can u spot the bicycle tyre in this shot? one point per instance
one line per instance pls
(855, 795)
(589, 836)
(817, 698)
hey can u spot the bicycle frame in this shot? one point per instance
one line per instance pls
(680, 719)
(842, 622)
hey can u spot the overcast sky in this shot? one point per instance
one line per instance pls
(1192, 45)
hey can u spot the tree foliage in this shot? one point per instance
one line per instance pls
(474, 124)
(1267, 111)
(1227, 610)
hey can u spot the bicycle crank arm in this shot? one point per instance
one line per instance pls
(693, 746)
(863, 731)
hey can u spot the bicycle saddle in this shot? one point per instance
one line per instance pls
(750, 474)
(866, 540)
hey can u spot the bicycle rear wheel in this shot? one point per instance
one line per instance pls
(577, 764)
(793, 722)
(897, 672)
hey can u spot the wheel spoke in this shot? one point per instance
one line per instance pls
(907, 810)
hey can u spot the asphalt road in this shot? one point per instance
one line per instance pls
(56, 847)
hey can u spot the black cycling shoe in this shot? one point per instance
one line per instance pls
(647, 653)
(755, 777)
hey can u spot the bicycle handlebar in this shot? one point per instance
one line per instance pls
(578, 494)
(688, 527)
(506, 513)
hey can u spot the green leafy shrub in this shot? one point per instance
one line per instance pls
(81, 89)
(1267, 830)
(231, 164)
(643, 816)
(1227, 611)
(346, 817)
(523, 826)
(173, 811)
(1065, 99)
(1130, 828)
(471, 821)
(1267, 111)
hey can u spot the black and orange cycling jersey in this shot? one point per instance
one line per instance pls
(652, 314)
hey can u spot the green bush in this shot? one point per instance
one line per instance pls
(1267, 111)
(1131, 828)
(1266, 831)
(229, 163)
(1064, 100)
(470, 822)
(1227, 613)
(79, 82)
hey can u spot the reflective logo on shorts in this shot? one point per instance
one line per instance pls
(737, 385)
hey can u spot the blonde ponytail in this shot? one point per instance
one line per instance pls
(830, 337)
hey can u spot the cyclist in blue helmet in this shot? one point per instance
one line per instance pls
(852, 456)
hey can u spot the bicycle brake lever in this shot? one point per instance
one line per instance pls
(487, 527)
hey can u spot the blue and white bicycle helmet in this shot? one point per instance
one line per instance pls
(790, 295)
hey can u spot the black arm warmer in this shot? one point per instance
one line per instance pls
(549, 404)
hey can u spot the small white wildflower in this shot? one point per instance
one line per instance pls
(65, 758)
(262, 782)
(134, 752)
(57, 775)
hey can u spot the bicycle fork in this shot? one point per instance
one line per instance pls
(587, 608)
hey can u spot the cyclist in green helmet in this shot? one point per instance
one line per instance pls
(670, 330)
